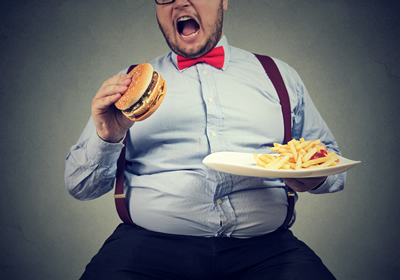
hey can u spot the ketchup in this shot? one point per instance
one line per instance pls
(320, 154)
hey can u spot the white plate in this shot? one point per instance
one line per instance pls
(245, 164)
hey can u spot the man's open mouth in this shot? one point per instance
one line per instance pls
(188, 27)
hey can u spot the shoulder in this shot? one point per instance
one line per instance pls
(286, 70)
(158, 63)
(243, 58)
(291, 78)
(240, 56)
(289, 74)
(162, 61)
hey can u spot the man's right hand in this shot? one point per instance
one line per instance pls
(111, 124)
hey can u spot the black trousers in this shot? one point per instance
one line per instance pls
(132, 252)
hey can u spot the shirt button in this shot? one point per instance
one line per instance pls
(214, 134)
(219, 201)
(205, 72)
(210, 99)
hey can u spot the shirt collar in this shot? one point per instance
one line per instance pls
(223, 42)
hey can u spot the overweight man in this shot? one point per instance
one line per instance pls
(192, 222)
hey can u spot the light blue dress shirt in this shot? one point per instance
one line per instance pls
(205, 110)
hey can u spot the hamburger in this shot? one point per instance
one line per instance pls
(144, 95)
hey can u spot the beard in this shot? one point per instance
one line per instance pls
(212, 40)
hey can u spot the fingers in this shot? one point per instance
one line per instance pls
(106, 100)
(116, 84)
(304, 184)
(118, 80)
(111, 124)
(111, 91)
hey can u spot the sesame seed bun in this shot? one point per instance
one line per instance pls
(144, 94)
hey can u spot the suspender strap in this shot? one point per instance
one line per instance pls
(273, 73)
(275, 76)
(120, 202)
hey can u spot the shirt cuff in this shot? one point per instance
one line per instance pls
(324, 187)
(101, 152)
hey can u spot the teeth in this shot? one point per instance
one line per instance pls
(184, 18)
(191, 35)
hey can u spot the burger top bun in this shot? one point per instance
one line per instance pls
(141, 78)
(152, 102)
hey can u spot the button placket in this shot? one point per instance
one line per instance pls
(215, 141)
(214, 114)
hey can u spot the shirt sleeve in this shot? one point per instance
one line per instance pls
(91, 164)
(309, 124)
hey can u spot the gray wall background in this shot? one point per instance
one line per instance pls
(56, 54)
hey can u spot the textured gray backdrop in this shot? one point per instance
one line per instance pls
(56, 54)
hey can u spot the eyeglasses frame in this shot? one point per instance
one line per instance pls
(172, 1)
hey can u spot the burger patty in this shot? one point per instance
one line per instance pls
(145, 95)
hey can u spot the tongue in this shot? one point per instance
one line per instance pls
(189, 27)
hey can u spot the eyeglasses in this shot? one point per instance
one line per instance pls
(164, 2)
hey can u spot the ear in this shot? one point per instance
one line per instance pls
(225, 5)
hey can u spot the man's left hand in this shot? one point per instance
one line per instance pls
(304, 184)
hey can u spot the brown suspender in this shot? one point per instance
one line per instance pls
(273, 73)
(119, 195)
(275, 76)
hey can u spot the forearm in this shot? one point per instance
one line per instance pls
(333, 183)
(90, 166)
(84, 181)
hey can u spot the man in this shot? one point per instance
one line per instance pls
(194, 222)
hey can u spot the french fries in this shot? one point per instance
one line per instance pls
(298, 155)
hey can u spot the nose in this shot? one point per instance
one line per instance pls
(179, 4)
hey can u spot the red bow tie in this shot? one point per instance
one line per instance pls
(214, 58)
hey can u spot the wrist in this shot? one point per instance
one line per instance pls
(319, 185)
(111, 139)
(101, 152)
